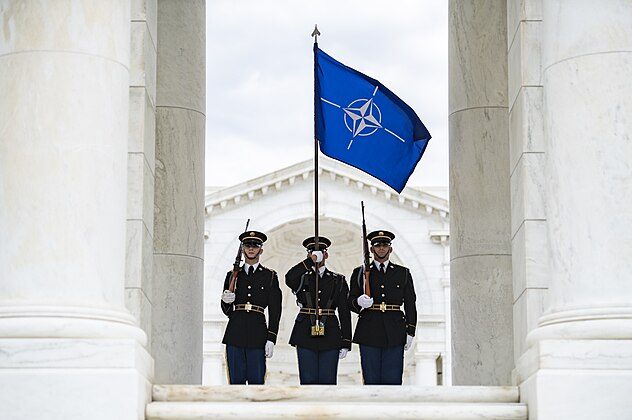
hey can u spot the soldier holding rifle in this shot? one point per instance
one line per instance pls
(248, 290)
(320, 339)
(378, 292)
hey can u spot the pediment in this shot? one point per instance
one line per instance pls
(416, 200)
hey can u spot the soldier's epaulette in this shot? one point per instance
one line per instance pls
(397, 265)
(267, 269)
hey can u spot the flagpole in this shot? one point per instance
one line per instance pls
(315, 34)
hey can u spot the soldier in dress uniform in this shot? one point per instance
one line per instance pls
(318, 335)
(383, 330)
(248, 339)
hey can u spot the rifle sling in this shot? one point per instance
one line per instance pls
(308, 299)
(361, 278)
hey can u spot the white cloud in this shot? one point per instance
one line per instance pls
(259, 76)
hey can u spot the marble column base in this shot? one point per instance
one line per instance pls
(601, 323)
(74, 379)
(576, 379)
(50, 321)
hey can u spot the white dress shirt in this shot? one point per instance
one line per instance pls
(247, 267)
(377, 265)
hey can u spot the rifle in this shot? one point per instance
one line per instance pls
(236, 264)
(367, 263)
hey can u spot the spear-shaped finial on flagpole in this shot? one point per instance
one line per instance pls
(315, 34)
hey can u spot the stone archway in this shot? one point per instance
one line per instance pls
(282, 250)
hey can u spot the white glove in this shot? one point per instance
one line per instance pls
(365, 302)
(319, 255)
(343, 353)
(269, 349)
(409, 342)
(228, 297)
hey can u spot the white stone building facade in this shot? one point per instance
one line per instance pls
(281, 204)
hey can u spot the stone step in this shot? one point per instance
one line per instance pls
(182, 402)
(334, 410)
(263, 393)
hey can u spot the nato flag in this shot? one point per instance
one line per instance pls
(362, 123)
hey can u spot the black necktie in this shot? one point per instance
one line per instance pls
(382, 268)
(251, 270)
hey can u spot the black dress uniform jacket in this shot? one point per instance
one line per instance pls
(332, 288)
(384, 329)
(248, 329)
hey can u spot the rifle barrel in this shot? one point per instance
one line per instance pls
(236, 264)
(365, 249)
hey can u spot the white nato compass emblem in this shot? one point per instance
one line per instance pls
(362, 117)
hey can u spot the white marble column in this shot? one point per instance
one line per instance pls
(179, 192)
(580, 362)
(66, 338)
(426, 368)
(213, 369)
(445, 282)
(530, 264)
(480, 247)
(141, 164)
(447, 354)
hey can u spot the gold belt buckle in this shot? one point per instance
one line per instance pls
(383, 306)
(248, 307)
(320, 311)
(318, 330)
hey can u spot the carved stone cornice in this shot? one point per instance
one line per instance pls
(414, 199)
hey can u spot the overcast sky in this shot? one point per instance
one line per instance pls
(259, 111)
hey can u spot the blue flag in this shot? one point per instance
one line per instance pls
(362, 123)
